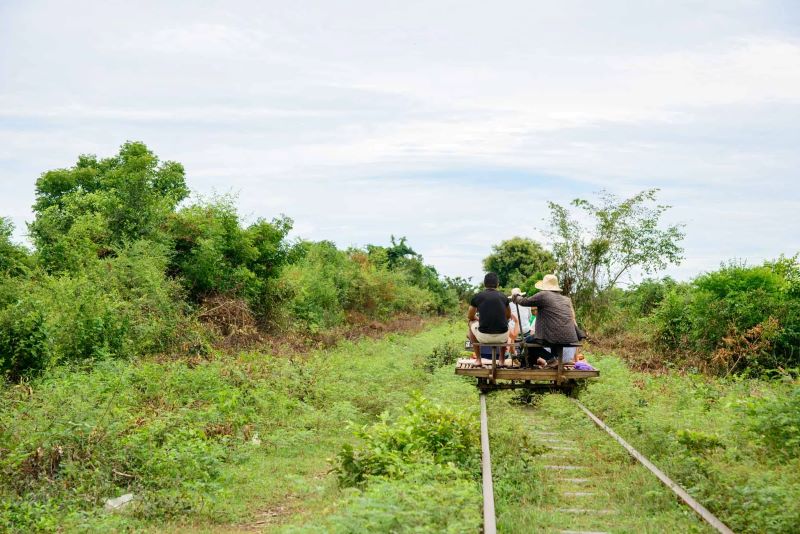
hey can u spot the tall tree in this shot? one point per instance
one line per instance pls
(621, 235)
(517, 260)
(89, 209)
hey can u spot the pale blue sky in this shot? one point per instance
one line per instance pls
(449, 122)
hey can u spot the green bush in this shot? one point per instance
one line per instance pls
(443, 355)
(83, 213)
(14, 259)
(215, 255)
(320, 283)
(326, 285)
(736, 318)
(122, 306)
(424, 433)
(777, 421)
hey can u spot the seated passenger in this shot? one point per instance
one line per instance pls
(520, 317)
(555, 317)
(488, 317)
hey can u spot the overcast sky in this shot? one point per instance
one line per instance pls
(451, 123)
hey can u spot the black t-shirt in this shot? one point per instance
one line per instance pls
(492, 306)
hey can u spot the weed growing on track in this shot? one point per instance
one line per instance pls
(620, 495)
(734, 443)
(412, 471)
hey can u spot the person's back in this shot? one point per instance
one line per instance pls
(555, 322)
(555, 318)
(491, 305)
(488, 317)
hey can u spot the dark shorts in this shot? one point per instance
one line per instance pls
(537, 352)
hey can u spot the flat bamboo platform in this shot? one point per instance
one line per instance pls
(501, 373)
(561, 377)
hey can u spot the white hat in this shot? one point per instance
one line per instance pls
(516, 291)
(548, 283)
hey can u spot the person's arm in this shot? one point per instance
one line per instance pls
(508, 312)
(527, 301)
(473, 309)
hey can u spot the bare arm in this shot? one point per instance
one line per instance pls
(471, 314)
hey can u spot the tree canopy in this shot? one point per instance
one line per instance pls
(96, 206)
(519, 260)
(620, 235)
(13, 257)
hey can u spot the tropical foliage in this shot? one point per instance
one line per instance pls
(124, 266)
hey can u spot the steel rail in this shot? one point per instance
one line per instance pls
(489, 525)
(701, 510)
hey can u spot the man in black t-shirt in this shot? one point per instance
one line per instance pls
(488, 317)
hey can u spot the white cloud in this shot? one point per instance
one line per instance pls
(426, 119)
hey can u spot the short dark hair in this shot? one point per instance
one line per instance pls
(491, 280)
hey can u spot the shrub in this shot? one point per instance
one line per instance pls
(326, 283)
(320, 283)
(215, 255)
(14, 259)
(425, 432)
(746, 317)
(777, 421)
(118, 307)
(83, 213)
(444, 354)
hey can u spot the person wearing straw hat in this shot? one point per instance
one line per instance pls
(555, 317)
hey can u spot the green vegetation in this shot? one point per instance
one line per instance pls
(738, 319)
(216, 439)
(132, 361)
(624, 234)
(519, 262)
(732, 443)
(122, 268)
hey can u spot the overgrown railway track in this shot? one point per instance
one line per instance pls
(572, 473)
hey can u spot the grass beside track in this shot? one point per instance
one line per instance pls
(245, 444)
(235, 444)
(734, 443)
(607, 491)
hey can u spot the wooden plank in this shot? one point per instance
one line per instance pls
(523, 374)
(701, 510)
(489, 525)
(558, 352)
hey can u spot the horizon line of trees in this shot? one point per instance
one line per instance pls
(124, 265)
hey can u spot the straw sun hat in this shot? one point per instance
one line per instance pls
(548, 283)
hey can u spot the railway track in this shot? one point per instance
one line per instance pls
(578, 484)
